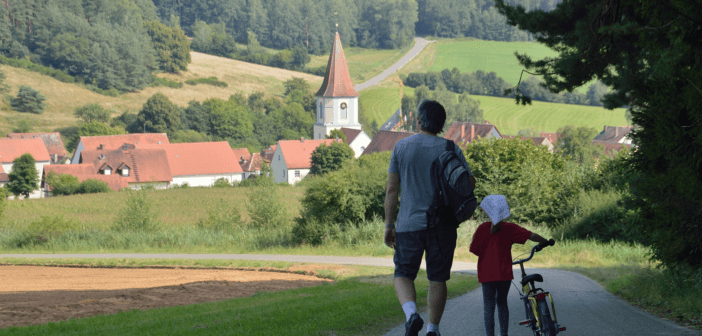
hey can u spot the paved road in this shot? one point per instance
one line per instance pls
(583, 306)
(419, 44)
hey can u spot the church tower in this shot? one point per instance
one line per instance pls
(337, 100)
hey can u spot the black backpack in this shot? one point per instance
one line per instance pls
(454, 201)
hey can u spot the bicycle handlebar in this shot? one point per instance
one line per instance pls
(536, 248)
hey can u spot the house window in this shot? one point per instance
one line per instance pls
(278, 157)
(283, 173)
(319, 111)
(108, 171)
(125, 172)
(297, 173)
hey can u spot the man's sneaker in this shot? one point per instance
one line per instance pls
(431, 333)
(414, 325)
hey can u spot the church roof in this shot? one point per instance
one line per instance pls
(337, 81)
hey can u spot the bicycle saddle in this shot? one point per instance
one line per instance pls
(532, 277)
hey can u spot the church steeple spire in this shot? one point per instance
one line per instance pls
(337, 81)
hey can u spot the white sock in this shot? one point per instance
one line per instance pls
(410, 308)
(433, 327)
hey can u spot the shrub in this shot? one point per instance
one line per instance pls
(28, 100)
(93, 186)
(3, 196)
(221, 183)
(48, 227)
(158, 81)
(224, 218)
(209, 80)
(26, 64)
(265, 206)
(62, 184)
(137, 214)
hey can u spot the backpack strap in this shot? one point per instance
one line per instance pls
(450, 146)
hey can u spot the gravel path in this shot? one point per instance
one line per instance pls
(419, 45)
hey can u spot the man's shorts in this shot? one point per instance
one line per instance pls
(439, 244)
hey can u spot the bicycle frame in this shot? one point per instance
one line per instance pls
(531, 295)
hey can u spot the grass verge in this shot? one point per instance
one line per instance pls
(366, 294)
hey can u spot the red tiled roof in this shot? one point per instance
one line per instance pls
(146, 165)
(611, 147)
(298, 153)
(10, 149)
(201, 158)
(4, 177)
(115, 141)
(350, 134)
(53, 142)
(460, 132)
(613, 133)
(385, 141)
(267, 154)
(240, 152)
(337, 81)
(84, 172)
(552, 137)
(251, 163)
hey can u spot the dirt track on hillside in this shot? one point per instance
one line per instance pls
(36, 294)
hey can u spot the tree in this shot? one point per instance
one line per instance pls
(337, 134)
(159, 115)
(330, 158)
(228, 119)
(92, 112)
(24, 178)
(93, 186)
(28, 100)
(23, 126)
(171, 45)
(296, 84)
(576, 143)
(648, 53)
(595, 93)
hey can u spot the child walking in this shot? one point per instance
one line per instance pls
(492, 243)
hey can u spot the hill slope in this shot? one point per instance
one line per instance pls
(63, 98)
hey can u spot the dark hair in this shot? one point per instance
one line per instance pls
(432, 116)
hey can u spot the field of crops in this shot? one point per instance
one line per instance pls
(363, 63)
(503, 112)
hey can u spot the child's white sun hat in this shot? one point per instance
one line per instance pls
(496, 208)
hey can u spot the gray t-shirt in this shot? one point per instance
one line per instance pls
(411, 159)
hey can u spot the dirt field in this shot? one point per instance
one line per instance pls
(36, 294)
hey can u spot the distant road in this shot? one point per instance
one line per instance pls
(419, 45)
(582, 305)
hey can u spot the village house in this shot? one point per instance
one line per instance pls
(611, 148)
(52, 141)
(267, 154)
(200, 164)
(467, 132)
(538, 141)
(10, 149)
(615, 134)
(83, 171)
(552, 137)
(357, 139)
(251, 165)
(385, 141)
(110, 142)
(293, 159)
(138, 167)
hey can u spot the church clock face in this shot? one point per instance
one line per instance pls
(343, 106)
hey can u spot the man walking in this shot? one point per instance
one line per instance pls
(409, 171)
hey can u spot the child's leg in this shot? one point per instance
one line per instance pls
(502, 310)
(489, 295)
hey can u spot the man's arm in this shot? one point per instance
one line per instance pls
(537, 238)
(391, 199)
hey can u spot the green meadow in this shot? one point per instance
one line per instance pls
(363, 63)
(381, 102)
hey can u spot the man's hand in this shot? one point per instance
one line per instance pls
(390, 238)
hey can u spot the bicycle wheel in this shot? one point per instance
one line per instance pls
(548, 328)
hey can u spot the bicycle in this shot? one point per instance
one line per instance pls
(537, 312)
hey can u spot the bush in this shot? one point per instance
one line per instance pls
(210, 80)
(345, 197)
(25, 64)
(224, 218)
(62, 184)
(137, 214)
(158, 81)
(48, 227)
(221, 183)
(93, 186)
(265, 206)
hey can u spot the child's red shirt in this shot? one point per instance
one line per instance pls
(494, 250)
